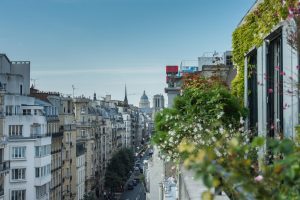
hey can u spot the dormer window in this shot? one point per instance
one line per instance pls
(26, 112)
(82, 110)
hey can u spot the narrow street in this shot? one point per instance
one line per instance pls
(138, 193)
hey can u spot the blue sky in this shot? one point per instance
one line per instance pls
(99, 45)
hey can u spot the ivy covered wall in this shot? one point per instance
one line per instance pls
(250, 33)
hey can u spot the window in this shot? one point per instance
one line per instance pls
(18, 174)
(36, 129)
(68, 137)
(15, 130)
(41, 151)
(35, 112)
(41, 191)
(42, 171)
(1, 99)
(252, 92)
(21, 89)
(18, 152)
(37, 172)
(275, 84)
(82, 110)
(17, 110)
(9, 110)
(18, 194)
(82, 132)
(26, 112)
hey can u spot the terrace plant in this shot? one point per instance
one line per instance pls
(204, 131)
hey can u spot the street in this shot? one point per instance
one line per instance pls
(138, 193)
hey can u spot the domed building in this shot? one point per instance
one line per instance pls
(144, 104)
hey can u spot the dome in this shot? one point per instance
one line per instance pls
(144, 96)
(144, 102)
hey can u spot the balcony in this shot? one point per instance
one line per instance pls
(31, 136)
(40, 135)
(57, 134)
(4, 166)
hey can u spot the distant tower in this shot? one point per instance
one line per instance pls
(158, 102)
(125, 99)
(144, 102)
(95, 98)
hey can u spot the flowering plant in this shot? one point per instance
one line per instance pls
(204, 113)
(204, 131)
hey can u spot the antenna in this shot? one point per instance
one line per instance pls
(73, 87)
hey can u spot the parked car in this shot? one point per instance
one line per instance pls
(137, 162)
(150, 152)
(137, 180)
(130, 186)
(134, 182)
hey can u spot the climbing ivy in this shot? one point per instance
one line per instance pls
(250, 33)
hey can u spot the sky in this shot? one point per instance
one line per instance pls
(101, 45)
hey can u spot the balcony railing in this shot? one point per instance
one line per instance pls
(4, 166)
(31, 136)
(40, 135)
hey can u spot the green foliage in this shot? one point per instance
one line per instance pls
(89, 196)
(118, 168)
(250, 33)
(200, 114)
(203, 132)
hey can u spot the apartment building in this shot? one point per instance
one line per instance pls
(68, 127)
(23, 122)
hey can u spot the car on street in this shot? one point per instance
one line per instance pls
(134, 182)
(137, 180)
(130, 186)
(150, 152)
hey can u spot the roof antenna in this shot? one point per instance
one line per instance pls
(73, 87)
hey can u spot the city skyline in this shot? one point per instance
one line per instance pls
(99, 46)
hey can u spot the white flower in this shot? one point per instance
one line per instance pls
(200, 127)
(218, 152)
(242, 121)
(221, 130)
(214, 139)
(220, 115)
(172, 133)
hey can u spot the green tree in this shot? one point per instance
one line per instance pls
(89, 196)
(118, 169)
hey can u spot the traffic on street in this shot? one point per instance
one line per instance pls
(134, 188)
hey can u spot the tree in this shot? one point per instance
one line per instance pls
(118, 169)
(89, 196)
